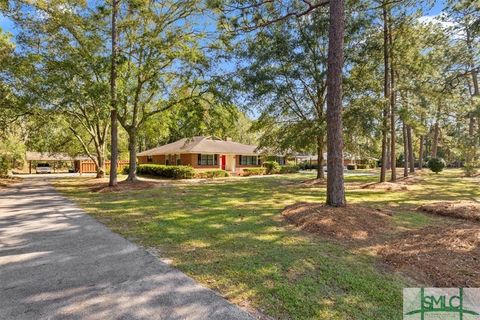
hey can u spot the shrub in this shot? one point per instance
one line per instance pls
(436, 164)
(212, 174)
(253, 172)
(289, 169)
(271, 167)
(350, 167)
(470, 170)
(362, 166)
(4, 165)
(124, 170)
(308, 166)
(173, 172)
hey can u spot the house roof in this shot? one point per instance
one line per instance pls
(202, 144)
(50, 156)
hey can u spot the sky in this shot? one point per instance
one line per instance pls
(7, 25)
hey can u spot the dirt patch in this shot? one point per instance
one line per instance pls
(469, 210)
(441, 255)
(385, 186)
(399, 185)
(352, 224)
(438, 256)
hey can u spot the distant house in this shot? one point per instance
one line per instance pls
(204, 153)
(348, 159)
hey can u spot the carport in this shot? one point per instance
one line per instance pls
(52, 158)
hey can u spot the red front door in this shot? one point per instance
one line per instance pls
(223, 161)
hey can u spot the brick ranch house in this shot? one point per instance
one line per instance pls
(204, 153)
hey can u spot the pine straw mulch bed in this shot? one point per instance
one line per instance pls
(442, 255)
(468, 210)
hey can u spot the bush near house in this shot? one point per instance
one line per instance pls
(212, 174)
(172, 172)
(289, 169)
(271, 167)
(308, 166)
(253, 172)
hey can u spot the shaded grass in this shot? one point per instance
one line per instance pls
(228, 236)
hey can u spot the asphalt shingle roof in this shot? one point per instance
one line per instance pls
(202, 144)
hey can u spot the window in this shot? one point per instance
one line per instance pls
(149, 159)
(207, 159)
(248, 160)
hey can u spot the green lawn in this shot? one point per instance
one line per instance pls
(229, 236)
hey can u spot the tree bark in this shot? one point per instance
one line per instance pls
(411, 156)
(386, 94)
(113, 102)
(100, 166)
(393, 157)
(335, 181)
(436, 134)
(132, 152)
(320, 173)
(420, 153)
(406, 154)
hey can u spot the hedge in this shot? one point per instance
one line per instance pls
(211, 174)
(308, 166)
(271, 167)
(173, 172)
(253, 172)
(289, 169)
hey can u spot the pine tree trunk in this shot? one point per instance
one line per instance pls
(320, 173)
(132, 152)
(393, 156)
(420, 153)
(411, 156)
(406, 154)
(113, 102)
(389, 164)
(335, 181)
(386, 94)
(436, 134)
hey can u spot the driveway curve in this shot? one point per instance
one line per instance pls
(56, 262)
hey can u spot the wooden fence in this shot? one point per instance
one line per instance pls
(88, 166)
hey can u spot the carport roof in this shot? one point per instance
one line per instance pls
(51, 156)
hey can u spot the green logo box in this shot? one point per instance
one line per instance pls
(441, 303)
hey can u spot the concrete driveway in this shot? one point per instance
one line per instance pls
(56, 262)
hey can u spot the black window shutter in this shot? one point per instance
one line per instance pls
(199, 159)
